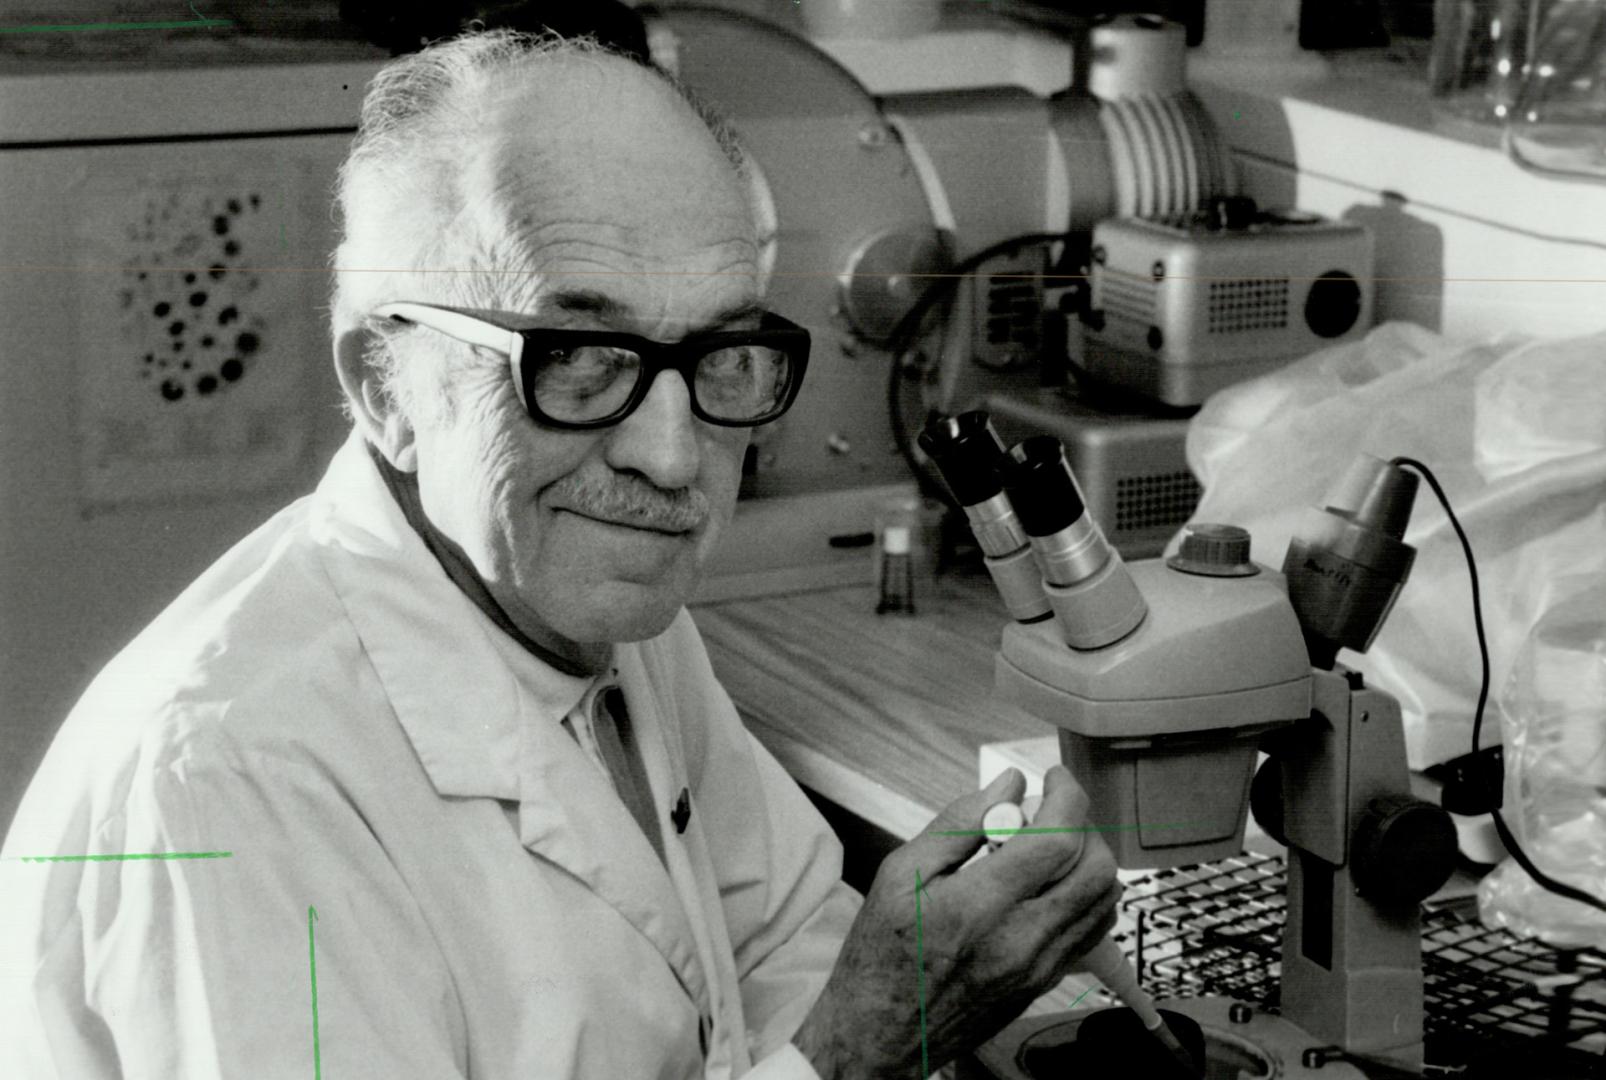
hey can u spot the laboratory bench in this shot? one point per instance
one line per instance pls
(882, 717)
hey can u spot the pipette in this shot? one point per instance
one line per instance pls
(1115, 971)
(1105, 961)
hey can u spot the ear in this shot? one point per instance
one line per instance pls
(380, 421)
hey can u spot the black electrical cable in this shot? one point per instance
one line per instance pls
(903, 336)
(1560, 888)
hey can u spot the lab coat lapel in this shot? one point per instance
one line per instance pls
(663, 742)
(458, 701)
(570, 815)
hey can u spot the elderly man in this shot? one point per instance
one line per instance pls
(470, 799)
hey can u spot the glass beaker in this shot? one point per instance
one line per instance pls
(1558, 124)
(1481, 50)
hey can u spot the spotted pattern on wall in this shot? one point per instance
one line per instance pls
(197, 322)
(186, 297)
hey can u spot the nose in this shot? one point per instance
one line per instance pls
(659, 439)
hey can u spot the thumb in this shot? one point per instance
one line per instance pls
(955, 833)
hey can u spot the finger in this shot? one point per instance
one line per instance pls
(1096, 924)
(1090, 921)
(1046, 851)
(1065, 899)
(955, 833)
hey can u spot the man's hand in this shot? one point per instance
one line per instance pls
(994, 935)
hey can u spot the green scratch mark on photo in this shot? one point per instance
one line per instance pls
(312, 964)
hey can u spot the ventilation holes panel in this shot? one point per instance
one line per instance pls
(1155, 500)
(1242, 304)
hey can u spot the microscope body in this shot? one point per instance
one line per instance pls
(1163, 729)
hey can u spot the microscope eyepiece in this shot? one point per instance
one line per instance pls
(1094, 599)
(967, 450)
(1041, 486)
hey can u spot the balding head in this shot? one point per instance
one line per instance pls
(462, 146)
(596, 149)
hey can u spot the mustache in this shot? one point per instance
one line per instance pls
(633, 500)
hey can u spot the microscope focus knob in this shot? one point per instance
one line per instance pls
(1403, 850)
(1266, 799)
(1214, 551)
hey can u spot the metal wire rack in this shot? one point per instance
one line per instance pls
(1494, 1001)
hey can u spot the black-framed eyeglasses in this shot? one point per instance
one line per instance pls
(592, 378)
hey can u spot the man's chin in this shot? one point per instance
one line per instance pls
(623, 611)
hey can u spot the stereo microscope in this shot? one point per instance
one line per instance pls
(1166, 678)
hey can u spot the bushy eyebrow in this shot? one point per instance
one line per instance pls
(611, 309)
(587, 302)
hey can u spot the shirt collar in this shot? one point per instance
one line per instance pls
(459, 685)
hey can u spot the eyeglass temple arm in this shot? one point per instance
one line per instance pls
(466, 328)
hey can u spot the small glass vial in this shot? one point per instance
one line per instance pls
(897, 526)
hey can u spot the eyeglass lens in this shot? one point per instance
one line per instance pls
(737, 383)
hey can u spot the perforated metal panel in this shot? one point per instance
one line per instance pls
(1155, 500)
(1247, 304)
(1131, 468)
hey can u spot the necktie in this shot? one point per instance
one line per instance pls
(610, 723)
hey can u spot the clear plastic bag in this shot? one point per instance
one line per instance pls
(1514, 429)
(1553, 711)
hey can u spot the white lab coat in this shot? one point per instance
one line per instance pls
(327, 707)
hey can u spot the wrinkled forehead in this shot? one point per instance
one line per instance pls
(596, 172)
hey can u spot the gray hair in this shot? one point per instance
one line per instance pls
(413, 225)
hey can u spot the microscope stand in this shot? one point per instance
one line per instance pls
(1338, 792)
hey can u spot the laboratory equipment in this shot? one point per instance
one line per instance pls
(833, 189)
(1111, 967)
(1122, 136)
(1558, 125)
(967, 449)
(1094, 599)
(896, 532)
(1184, 305)
(1481, 50)
(1104, 961)
(1162, 726)
(1130, 458)
(1497, 1006)
(1001, 821)
(888, 163)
